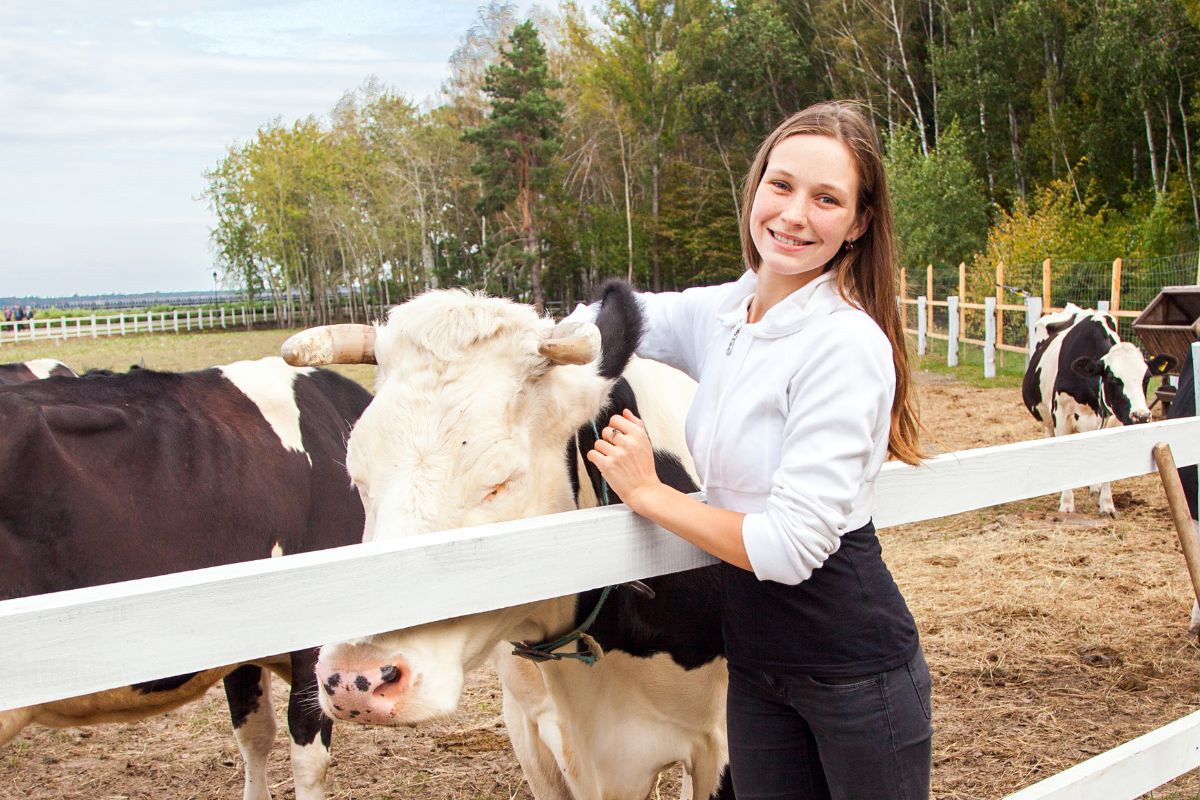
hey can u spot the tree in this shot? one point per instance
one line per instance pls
(940, 206)
(519, 140)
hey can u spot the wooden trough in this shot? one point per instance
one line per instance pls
(1169, 325)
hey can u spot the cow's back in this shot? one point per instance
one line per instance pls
(111, 478)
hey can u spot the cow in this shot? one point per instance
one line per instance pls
(477, 401)
(36, 369)
(111, 477)
(1082, 377)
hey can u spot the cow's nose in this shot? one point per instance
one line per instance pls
(1140, 416)
(366, 696)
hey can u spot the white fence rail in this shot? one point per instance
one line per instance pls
(74, 642)
(177, 321)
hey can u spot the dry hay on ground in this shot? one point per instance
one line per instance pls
(1051, 638)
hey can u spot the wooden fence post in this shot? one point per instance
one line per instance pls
(989, 337)
(64, 328)
(962, 295)
(93, 326)
(903, 299)
(1047, 306)
(1033, 312)
(1115, 301)
(122, 324)
(999, 303)
(952, 334)
(929, 296)
(222, 316)
(922, 325)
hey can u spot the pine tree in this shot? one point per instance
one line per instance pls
(519, 140)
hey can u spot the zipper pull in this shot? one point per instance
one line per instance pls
(732, 339)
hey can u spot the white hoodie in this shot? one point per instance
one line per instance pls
(790, 422)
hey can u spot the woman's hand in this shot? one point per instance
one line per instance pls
(626, 460)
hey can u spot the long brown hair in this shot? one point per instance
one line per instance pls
(866, 271)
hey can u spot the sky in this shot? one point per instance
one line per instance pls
(111, 111)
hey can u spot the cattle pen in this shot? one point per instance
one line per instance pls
(310, 599)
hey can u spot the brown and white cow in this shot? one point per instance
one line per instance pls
(35, 369)
(477, 401)
(1082, 377)
(112, 477)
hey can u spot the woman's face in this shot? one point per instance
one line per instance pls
(805, 207)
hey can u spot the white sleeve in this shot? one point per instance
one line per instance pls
(835, 441)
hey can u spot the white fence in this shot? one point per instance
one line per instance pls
(70, 643)
(94, 326)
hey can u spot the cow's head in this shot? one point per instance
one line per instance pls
(476, 400)
(1122, 376)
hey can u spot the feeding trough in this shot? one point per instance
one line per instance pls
(1169, 325)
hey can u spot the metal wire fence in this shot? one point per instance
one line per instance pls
(1126, 284)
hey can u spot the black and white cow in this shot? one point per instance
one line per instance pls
(111, 477)
(477, 400)
(36, 369)
(1082, 377)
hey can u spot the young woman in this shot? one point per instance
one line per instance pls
(803, 393)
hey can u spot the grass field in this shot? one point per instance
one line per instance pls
(172, 352)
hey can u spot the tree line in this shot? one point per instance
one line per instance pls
(576, 146)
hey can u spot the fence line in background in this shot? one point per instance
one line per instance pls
(123, 324)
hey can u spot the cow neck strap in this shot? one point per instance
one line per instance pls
(546, 651)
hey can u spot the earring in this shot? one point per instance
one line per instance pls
(849, 245)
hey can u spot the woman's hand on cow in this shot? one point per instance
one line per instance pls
(625, 458)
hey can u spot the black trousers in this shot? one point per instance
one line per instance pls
(796, 737)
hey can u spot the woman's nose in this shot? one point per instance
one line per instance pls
(795, 213)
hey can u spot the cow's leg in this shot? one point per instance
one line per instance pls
(524, 699)
(1061, 420)
(248, 690)
(1193, 628)
(703, 774)
(310, 729)
(13, 722)
(1107, 507)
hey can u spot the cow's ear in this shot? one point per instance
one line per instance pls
(620, 323)
(1086, 367)
(1162, 364)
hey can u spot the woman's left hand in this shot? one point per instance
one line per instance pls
(625, 458)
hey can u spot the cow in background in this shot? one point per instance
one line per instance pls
(1082, 377)
(111, 477)
(36, 369)
(477, 402)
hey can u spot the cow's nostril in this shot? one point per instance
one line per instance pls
(389, 674)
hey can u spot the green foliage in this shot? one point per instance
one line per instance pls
(591, 146)
(940, 206)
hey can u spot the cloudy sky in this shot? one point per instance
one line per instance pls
(111, 111)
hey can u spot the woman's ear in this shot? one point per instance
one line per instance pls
(860, 225)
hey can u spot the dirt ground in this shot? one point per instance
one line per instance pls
(1051, 638)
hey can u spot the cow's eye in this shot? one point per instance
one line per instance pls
(496, 490)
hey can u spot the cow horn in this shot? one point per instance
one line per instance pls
(331, 344)
(571, 343)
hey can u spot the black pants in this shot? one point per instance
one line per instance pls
(795, 737)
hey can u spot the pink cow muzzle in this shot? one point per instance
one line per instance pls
(362, 690)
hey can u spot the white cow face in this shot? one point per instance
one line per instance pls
(1123, 374)
(469, 425)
